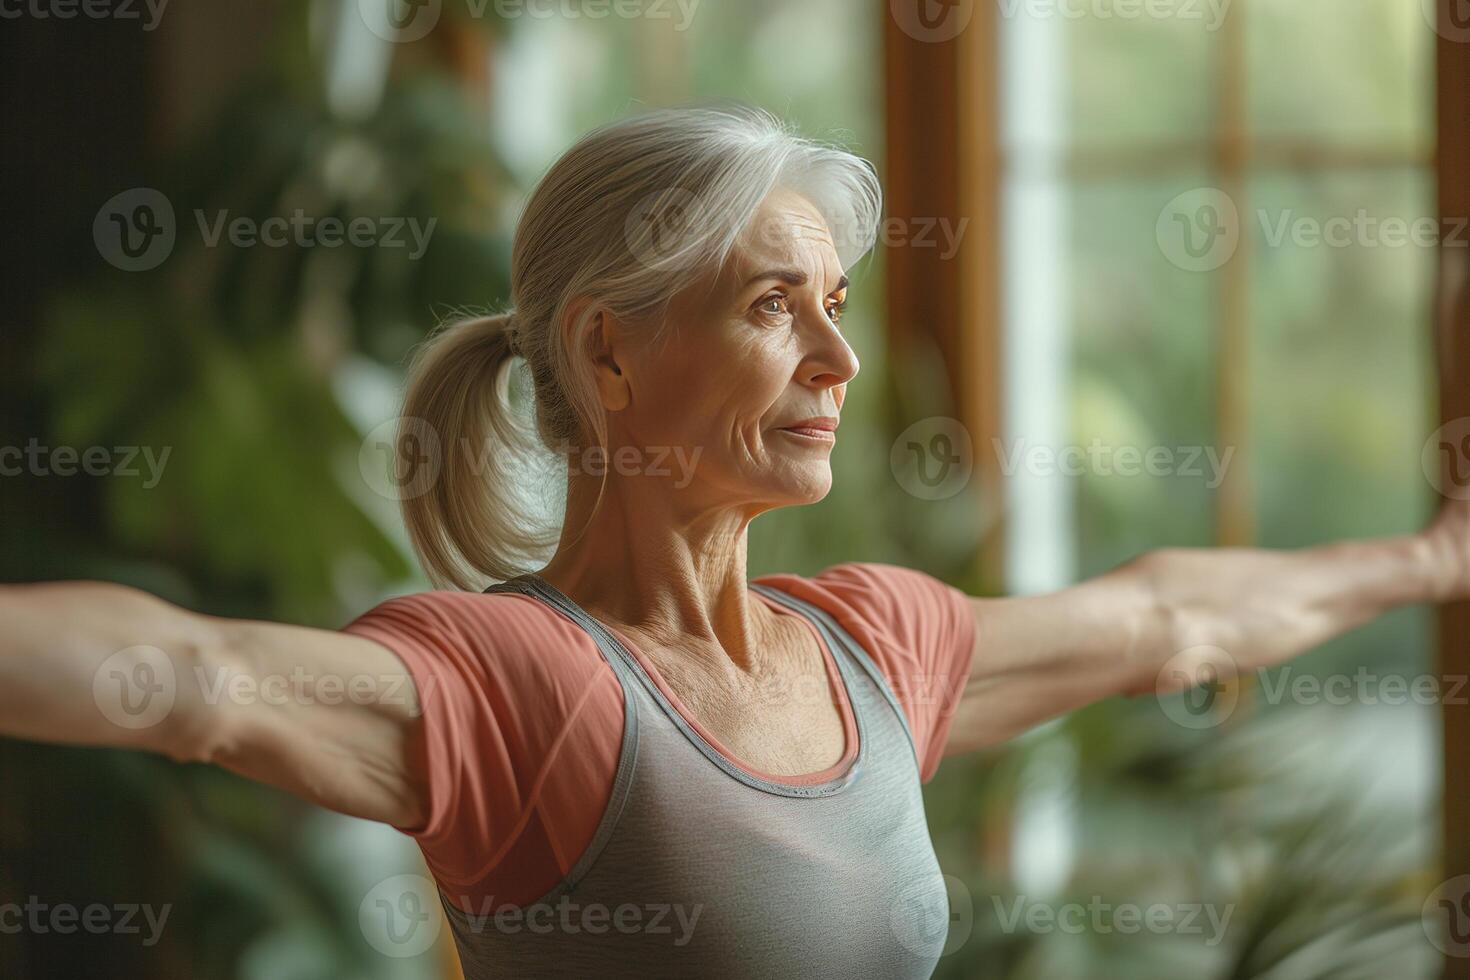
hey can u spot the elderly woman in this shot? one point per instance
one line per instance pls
(635, 761)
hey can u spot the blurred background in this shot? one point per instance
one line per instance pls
(1099, 253)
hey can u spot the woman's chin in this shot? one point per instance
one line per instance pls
(807, 484)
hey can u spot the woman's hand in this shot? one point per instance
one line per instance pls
(1449, 540)
(1152, 625)
(324, 715)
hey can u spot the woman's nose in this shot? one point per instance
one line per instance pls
(831, 361)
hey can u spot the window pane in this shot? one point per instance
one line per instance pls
(1347, 71)
(1143, 377)
(1342, 381)
(1134, 78)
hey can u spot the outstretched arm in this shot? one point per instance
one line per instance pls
(324, 715)
(1039, 657)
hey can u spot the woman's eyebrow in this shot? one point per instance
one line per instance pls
(792, 277)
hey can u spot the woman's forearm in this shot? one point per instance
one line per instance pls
(1262, 607)
(322, 714)
(1161, 621)
(96, 664)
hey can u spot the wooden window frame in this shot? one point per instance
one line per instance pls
(1452, 346)
(944, 159)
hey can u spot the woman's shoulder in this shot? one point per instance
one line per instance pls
(522, 725)
(885, 597)
(507, 634)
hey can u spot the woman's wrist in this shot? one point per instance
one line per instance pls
(1444, 552)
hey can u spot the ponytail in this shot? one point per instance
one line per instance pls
(458, 441)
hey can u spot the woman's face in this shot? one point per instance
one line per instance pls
(749, 354)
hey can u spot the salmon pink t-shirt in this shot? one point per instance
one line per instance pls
(523, 718)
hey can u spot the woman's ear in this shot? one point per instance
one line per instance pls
(603, 341)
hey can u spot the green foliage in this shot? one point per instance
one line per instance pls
(218, 370)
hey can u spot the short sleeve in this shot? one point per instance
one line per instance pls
(918, 630)
(519, 739)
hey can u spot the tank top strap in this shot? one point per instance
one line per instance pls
(842, 645)
(852, 661)
(527, 585)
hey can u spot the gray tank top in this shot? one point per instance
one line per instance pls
(701, 869)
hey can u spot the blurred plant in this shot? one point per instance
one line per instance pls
(1306, 877)
(226, 356)
(229, 360)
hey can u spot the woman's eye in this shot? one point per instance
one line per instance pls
(835, 311)
(774, 306)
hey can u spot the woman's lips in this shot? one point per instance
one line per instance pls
(816, 435)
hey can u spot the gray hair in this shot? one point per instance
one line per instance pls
(629, 216)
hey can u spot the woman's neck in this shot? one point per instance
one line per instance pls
(670, 576)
